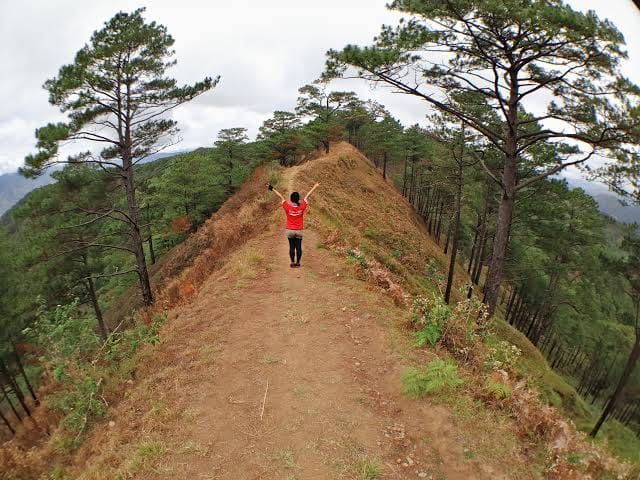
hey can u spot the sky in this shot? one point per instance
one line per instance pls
(263, 51)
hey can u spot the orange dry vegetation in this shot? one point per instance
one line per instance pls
(360, 209)
(178, 274)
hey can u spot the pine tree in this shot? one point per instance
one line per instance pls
(508, 53)
(117, 97)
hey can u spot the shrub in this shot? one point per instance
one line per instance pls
(437, 376)
(465, 330)
(66, 336)
(126, 343)
(81, 403)
(503, 356)
(357, 257)
(430, 313)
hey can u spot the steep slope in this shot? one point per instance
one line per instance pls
(264, 371)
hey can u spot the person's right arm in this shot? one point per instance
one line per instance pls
(310, 192)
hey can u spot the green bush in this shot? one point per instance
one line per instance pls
(502, 355)
(72, 353)
(81, 402)
(356, 256)
(430, 313)
(65, 335)
(126, 343)
(437, 376)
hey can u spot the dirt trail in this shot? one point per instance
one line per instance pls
(325, 344)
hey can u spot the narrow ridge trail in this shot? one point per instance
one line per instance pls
(330, 348)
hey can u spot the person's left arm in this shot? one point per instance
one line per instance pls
(276, 192)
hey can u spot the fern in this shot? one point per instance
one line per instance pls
(437, 376)
(498, 390)
(430, 334)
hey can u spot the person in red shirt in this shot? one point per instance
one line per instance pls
(294, 209)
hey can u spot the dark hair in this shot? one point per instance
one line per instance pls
(295, 198)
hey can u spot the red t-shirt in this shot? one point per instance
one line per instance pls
(295, 215)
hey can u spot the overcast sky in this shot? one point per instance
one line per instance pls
(264, 51)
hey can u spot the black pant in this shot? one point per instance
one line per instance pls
(295, 249)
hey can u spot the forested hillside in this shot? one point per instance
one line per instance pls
(513, 284)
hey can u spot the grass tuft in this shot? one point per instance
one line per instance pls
(368, 469)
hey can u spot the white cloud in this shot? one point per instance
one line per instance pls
(264, 51)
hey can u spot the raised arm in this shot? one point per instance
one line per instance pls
(311, 191)
(270, 187)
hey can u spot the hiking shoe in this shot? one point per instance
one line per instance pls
(297, 264)
(292, 265)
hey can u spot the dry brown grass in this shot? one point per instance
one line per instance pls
(358, 209)
(361, 213)
(179, 273)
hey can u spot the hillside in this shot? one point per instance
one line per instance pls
(263, 371)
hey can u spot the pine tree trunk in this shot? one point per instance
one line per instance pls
(404, 176)
(152, 252)
(512, 299)
(11, 405)
(439, 224)
(448, 239)
(5, 420)
(617, 394)
(532, 324)
(24, 374)
(411, 181)
(456, 236)
(14, 386)
(384, 165)
(102, 326)
(474, 246)
(505, 210)
(136, 236)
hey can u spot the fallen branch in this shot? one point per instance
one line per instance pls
(264, 400)
(97, 357)
(86, 417)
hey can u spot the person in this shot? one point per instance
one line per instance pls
(294, 209)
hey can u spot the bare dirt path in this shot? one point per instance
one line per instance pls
(324, 344)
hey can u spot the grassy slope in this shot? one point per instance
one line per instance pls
(380, 222)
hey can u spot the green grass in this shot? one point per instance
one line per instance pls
(146, 455)
(368, 469)
(285, 457)
(498, 390)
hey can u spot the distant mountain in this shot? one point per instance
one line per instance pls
(13, 187)
(608, 202)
